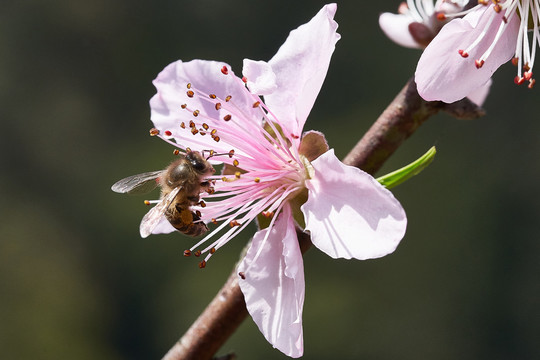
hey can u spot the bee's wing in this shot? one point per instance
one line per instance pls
(138, 184)
(153, 217)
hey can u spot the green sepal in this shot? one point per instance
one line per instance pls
(405, 173)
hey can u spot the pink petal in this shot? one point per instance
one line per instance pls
(301, 65)
(479, 95)
(206, 76)
(349, 214)
(274, 285)
(261, 79)
(396, 27)
(443, 74)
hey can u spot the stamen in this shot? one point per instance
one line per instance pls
(167, 133)
(224, 70)
(197, 253)
(154, 132)
(202, 264)
(187, 253)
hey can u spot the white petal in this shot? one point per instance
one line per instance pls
(274, 285)
(261, 79)
(300, 66)
(349, 214)
(396, 27)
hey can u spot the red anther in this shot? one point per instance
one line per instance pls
(176, 152)
(227, 117)
(224, 70)
(528, 75)
(187, 253)
(167, 133)
(505, 19)
(479, 63)
(197, 253)
(295, 136)
(497, 8)
(218, 106)
(244, 79)
(242, 275)
(190, 93)
(463, 53)
(231, 153)
(202, 264)
(441, 16)
(526, 67)
(519, 80)
(515, 61)
(531, 83)
(154, 132)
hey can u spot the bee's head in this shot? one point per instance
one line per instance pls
(198, 163)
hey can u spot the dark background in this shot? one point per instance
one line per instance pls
(77, 281)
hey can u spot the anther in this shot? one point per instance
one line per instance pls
(519, 80)
(227, 117)
(194, 131)
(526, 67)
(231, 153)
(176, 152)
(528, 75)
(189, 85)
(237, 174)
(463, 53)
(214, 221)
(146, 202)
(244, 79)
(191, 124)
(242, 275)
(183, 106)
(256, 104)
(515, 61)
(187, 253)
(531, 83)
(154, 132)
(257, 180)
(182, 125)
(441, 16)
(196, 113)
(167, 133)
(235, 162)
(212, 250)
(205, 126)
(228, 98)
(479, 63)
(190, 93)
(198, 213)
(212, 96)
(218, 106)
(197, 253)
(211, 190)
(497, 8)
(213, 132)
(295, 136)
(202, 204)
(224, 70)
(202, 264)
(234, 223)
(216, 138)
(188, 149)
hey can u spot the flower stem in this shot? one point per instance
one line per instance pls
(399, 121)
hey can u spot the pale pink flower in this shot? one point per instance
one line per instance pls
(467, 51)
(274, 170)
(419, 21)
(417, 24)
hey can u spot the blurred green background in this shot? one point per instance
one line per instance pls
(77, 281)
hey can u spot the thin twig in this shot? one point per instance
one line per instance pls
(399, 121)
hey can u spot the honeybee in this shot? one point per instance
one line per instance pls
(181, 184)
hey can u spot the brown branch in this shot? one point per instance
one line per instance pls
(399, 121)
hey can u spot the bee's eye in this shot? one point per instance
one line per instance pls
(198, 165)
